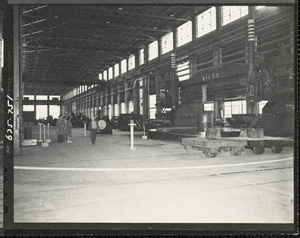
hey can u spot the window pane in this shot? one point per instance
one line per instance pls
(100, 76)
(31, 97)
(184, 33)
(41, 97)
(142, 56)
(28, 108)
(123, 109)
(153, 50)
(54, 96)
(206, 22)
(141, 97)
(167, 43)
(227, 109)
(116, 110)
(109, 111)
(131, 62)
(183, 70)
(232, 13)
(54, 111)
(152, 101)
(130, 107)
(123, 66)
(208, 107)
(110, 73)
(41, 111)
(104, 75)
(116, 70)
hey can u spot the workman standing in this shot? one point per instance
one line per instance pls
(60, 128)
(94, 128)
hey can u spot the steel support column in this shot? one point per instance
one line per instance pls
(126, 94)
(119, 99)
(112, 101)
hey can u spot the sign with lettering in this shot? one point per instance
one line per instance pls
(222, 72)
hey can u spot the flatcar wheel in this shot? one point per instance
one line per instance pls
(235, 151)
(210, 152)
(258, 150)
(277, 148)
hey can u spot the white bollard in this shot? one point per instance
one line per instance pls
(40, 129)
(48, 140)
(84, 129)
(44, 144)
(132, 135)
(144, 136)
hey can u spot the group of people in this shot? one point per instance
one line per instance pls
(64, 129)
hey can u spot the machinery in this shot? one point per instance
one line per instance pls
(105, 126)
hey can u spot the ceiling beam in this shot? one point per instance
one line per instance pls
(139, 14)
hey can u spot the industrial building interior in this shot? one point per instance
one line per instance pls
(195, 107)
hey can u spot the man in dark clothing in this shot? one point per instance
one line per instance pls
(93, 129)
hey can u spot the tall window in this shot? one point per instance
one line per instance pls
(141, 56)
(232, 13)
(54, 111)
(100, 76)
(105, 75)
(116, 109)
(110, 73)
(184, 33)
(141, 97)
(153, 50)
(234, 107)
(110, 111)
(130, 107)
(41, 111)
(206, 22)
(131, 62)
(152, 107)
(123, 108)
(116, 70)
(123, 66)
(167, 43)
(183, 70)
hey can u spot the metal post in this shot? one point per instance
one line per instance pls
(84, 129)
(40, 130)
(48, 140)
(251, 87)
(44, 144)
(132, 124)
(44, 132)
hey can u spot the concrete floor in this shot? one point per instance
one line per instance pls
(157, 182)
